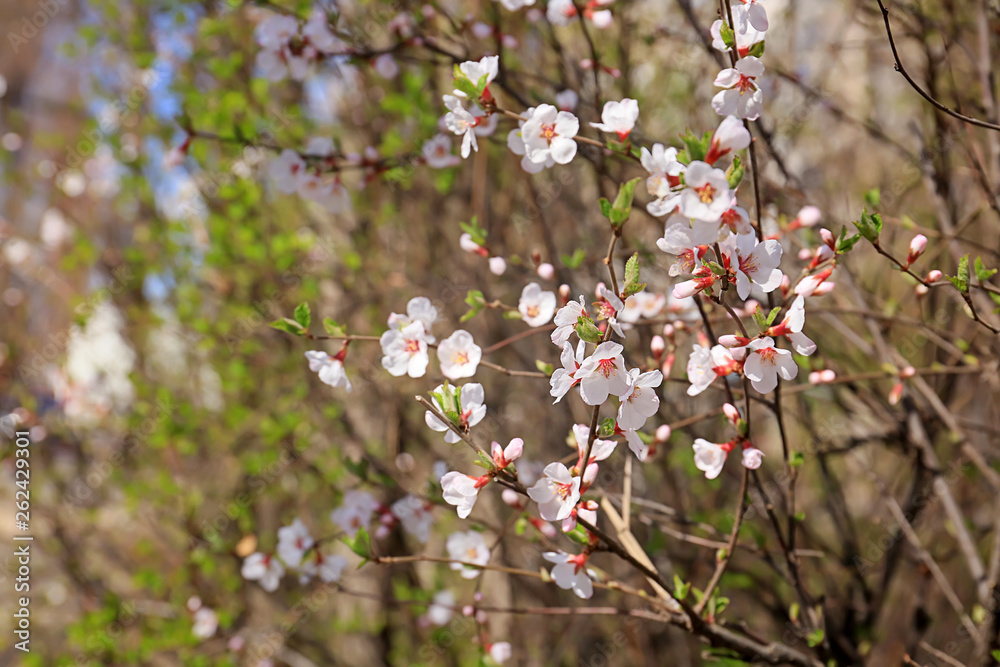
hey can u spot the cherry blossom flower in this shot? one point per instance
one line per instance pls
(276, 31)
(546, 271)
(560, 12)
(635, 443)
(441, 609)
(327, 568)
(709, 457)
(504, 456)
(688, 243)
(467, 401)
(462, 491)
(566, 319)
(603, 373)
(752, 458)
(704, 365)
(618, 118)
(567, 99)
(500, 652)
(415, 516)
(549, 134)
(556, 493)
(731, 135)
(405, 350)
(536, 305)
(462, 122)
(468, 547)
(745, 39)
(317, 31)
(330, 368)
(293, 543)
(474, 71)
(643, 402)
(642, 304)
(704, 280)
(791, 327)
(515, 142)
(765, 363)
(755, 15)
(264, 568)
(206, 622)
(570, 573)
(814, 284)
(753, 262)
(601, 450)
(664, 175)
(386, 66)
(608, 308)
(706, 195)
(287, 170)
(418, 309)
(742, 96)
(437, 152)
(563, 379)
(459, 355)
(355, 511)
(328, 192)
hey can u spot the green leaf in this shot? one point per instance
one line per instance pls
(332, 328)
(580, 535)
(619, 211)
(288, 326)
(735, 173)
(727, 35)
(757, 50)
(481, 85)
(681, 588)
(815, 638)
(463, 84)
(607, 428)
(587, 330)
(961, 278)
(772, 316)
(512, 315)
(548, 369)
(982, 273)
(795, 459)
(576, 259)
(758, 317)
(873, 197)
(697, 147)
(845, 242)
(605, 207)
(303, 315)
(632, 284)
(476, 303)
(870, 225)
(360, 543)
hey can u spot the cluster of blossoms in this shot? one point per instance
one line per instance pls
(714, 250)
(297, 551)
(291, 49)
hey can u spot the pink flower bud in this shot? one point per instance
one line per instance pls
(586, 63)
(546, 271)
(513, 450)
(732, 414)
(564, 292)
(662, 432)
(482, 617)
(896, 393)
(668, 330)
(921, 290)
(752, 458)
(917, 247)
(934, 275)
(805, 254)
(908, 372)
(511, 497)
(466, 243)
(468, 610)
(815, 378)
(590, 474)
(732, 340)
(827, 237)
(809, 216)
(481, 30)
(498, 265)
(825, 288)
(382, 532)
(478, 595)
(828, 375)
(548, 530)
(657, 346)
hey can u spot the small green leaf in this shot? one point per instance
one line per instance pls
(548, 369)
(982, 273)
(463, 84)
(476, 303)
(607, 428)
(303, 315)
(332, 328)
(632, 269)
(772, 316)
(587, 330)
(795, 459)
(576, 259)
(288, 326)
(735, 173)
(845, 242)
(697, 147)
(815, 638)
(360, 543)
(961, 278)
(481, 85)
(605, 207)
(757, 50)
(512, 315)
(473, 229)
(681, 588)
(727, 35)
(870, 225)
(873, 197)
